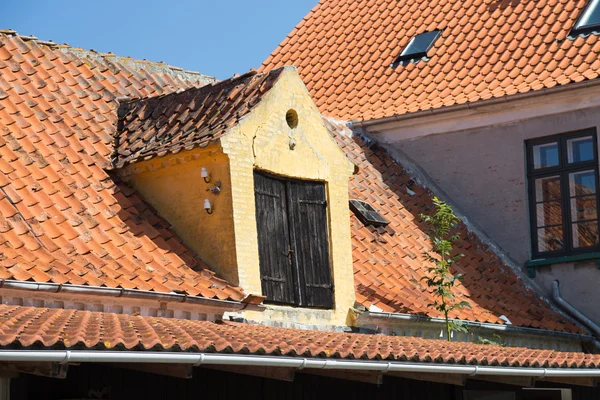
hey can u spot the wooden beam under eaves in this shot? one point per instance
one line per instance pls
(46, 369)
(357, 376)
(172, 370)
(579, 381)
(521, 381)
(280, 374)
(448, 379)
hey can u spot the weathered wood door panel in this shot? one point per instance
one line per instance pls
(308, 217)
(291, 219)
(273, 240)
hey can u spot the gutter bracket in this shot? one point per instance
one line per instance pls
(200, 361)
(387, 368)
(301, 367)
(66, 359)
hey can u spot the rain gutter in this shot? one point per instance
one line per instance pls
(485, 325)
(477, 104)
(47, 287)
(83, 356)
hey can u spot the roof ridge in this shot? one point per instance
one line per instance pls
(80, 51)
(12, 33)
(128, 102)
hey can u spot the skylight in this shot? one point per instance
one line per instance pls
(418, 46)
(590, 19)
(366, 213)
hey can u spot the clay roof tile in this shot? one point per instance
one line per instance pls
(526, 30)
(387, 273)
(62, 119)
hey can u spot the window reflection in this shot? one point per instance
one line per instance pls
(580, 149)
(585, 234)
(545, 155)
(582, 183)
(583, 208)
(547, 188)
(550, 238)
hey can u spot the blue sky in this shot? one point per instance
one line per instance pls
(217, 38)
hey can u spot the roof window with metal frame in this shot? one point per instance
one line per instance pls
(417, 48)
(589, 20)
(366, 213)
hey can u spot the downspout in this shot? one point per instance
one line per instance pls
(575, 313)
(80, 356)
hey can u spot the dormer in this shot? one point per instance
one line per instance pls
(248, 175)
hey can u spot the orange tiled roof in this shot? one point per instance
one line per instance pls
(25, 327)
(388, 262)
(63, 217)
(184, 120)
(488, 49)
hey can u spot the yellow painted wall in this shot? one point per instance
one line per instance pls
(174, 186)
(262, 141)
(227, 240)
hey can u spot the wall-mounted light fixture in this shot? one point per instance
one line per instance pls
(205, 175)
(207, 206)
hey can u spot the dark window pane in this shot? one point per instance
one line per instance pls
(550, 238)
(545, 155)
(584, 208)
(585, 234)
(590, 17)
(418, 46)
(549, 213)
(366, 213)
(580, 149)
(547, 188)
(420, 43)
(582, 183)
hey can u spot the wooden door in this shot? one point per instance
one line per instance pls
(293, 244)
(273, 240)
(308, 221)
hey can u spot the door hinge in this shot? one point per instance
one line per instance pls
(318, 202)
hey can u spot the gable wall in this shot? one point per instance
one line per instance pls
(227, 239)
(262, 141)
(482, 171)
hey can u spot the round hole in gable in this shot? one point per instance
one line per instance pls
(292, 118)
